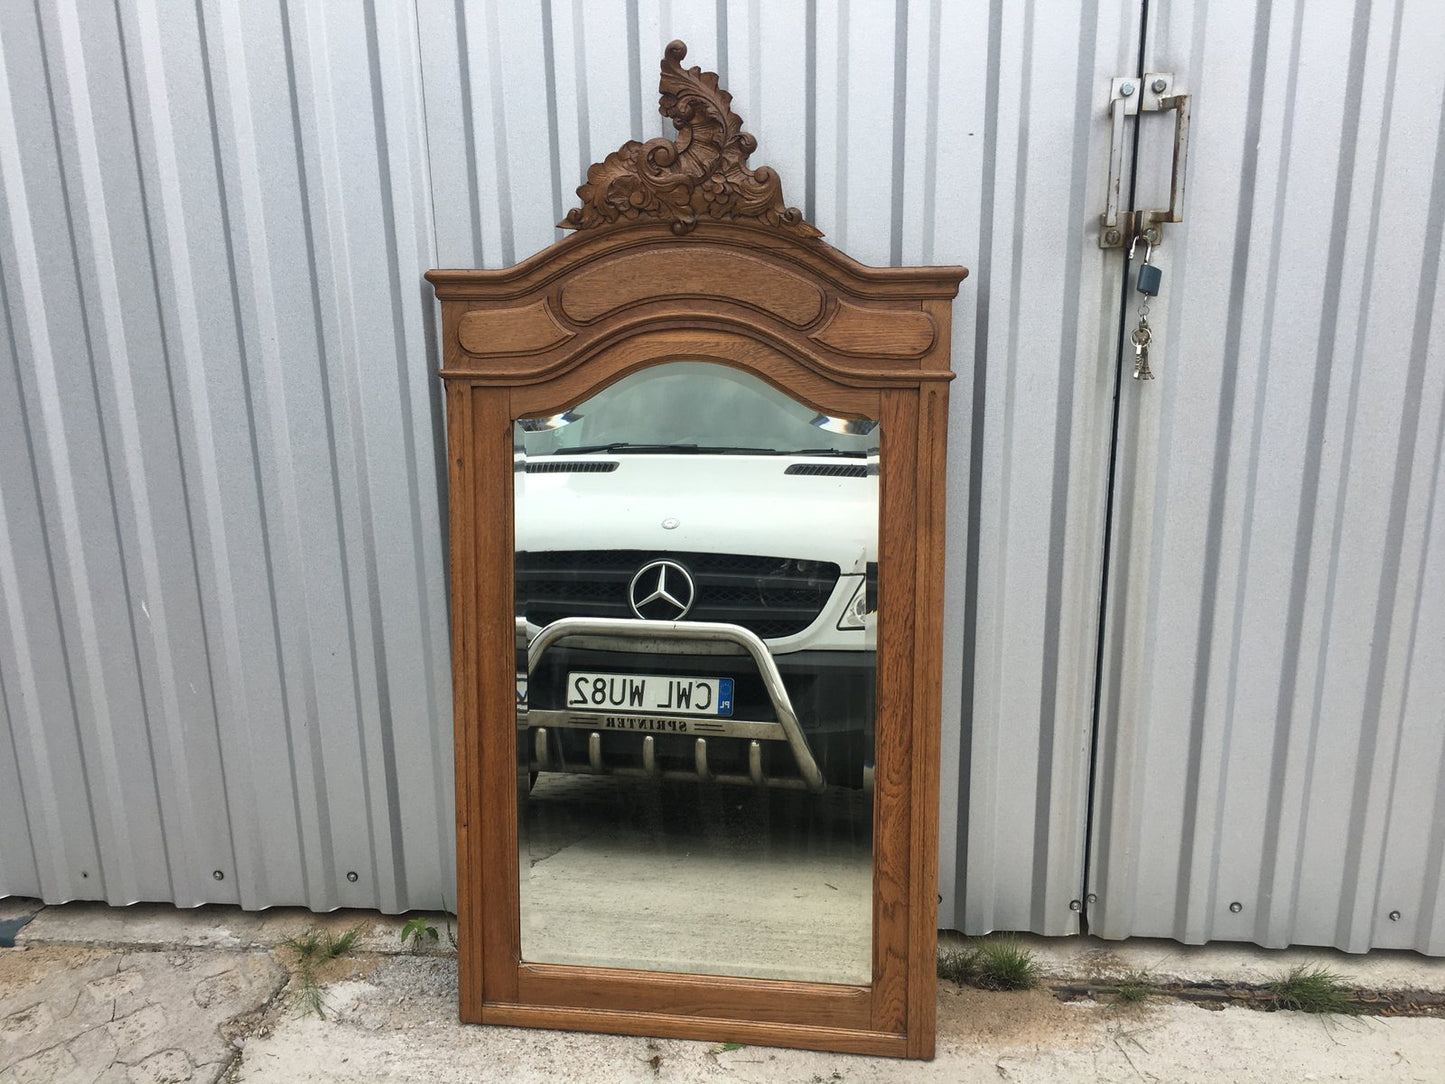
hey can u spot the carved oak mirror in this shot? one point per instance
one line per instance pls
(696, 486)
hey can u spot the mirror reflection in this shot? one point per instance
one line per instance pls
(696, 586)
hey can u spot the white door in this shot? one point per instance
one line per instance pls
(1269, 759)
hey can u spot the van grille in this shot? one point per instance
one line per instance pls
(771, 596)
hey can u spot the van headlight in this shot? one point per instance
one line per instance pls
(859, 607)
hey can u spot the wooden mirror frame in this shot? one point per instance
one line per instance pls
(685, 253)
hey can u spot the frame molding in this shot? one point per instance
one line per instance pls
(542, 336)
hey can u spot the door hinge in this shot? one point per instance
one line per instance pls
(1128, 97)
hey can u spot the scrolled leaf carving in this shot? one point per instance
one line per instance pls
(703, 174)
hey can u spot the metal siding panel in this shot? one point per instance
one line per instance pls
(1414, 860)
(406, 450)
(60, 836)
(18, 868)
(290, 419)
(237, 467)
(149, 512)
(778, 105)
(1275, 500)
(184, 219)
(855, 116)
(1043, 386)
(565, 108)
(1410, 870)
(190, 223)
(939, 205)
(59, 379)
(606, 71)
(269, 411)
(1399, 415)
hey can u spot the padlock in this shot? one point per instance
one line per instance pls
(1148, 281)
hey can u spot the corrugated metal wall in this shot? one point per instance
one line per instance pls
(223, 653)
(1272, 752)
(222, 591)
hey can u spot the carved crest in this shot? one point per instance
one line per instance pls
(702, 175)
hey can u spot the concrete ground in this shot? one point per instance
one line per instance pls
(766, 884)
(155, 994)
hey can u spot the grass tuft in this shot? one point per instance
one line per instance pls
(958, 965)
(1135, 987)
(1004, 964)
(312, 947)
(306, 945)
(998, 964)
(340, 946)
(1311, 989)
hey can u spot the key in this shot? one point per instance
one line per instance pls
(1141, 337)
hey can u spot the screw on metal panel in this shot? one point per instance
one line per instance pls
(351, 876)
(1075, 905)
(1152, 235)
(84, 873)
(1112, 237)
(1394, 916)
(1091, 898)
(1159, 85)
(1126, 90)
(218, 875)
(1236, 907)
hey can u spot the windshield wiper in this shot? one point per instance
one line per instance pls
(627, 447)
(830, 451)
(624, 446)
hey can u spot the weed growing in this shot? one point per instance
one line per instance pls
(998, 964)
(313, 947)
(1004, 964)
(958, 965)
(419, 930)
(1311, 989)
(1135, 987)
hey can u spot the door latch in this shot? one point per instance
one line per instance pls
(1128, 97)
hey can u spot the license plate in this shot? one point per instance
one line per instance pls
(652, 693)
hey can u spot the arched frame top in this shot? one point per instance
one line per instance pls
(843, 338)
(850, 324)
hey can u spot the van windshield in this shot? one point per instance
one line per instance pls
(696, 406)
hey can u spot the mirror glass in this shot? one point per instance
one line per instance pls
(696, 586)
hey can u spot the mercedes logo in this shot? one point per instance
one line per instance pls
(661, 591)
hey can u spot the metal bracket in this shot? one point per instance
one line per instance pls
(1128, 97)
